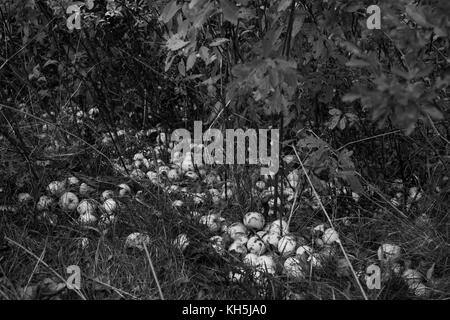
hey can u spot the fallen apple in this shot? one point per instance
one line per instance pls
(68, 201)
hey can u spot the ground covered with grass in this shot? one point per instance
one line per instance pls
(188, 240)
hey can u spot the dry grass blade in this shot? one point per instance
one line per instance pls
(153, 272)
(41, 258)
(117, 290)
(331, 225)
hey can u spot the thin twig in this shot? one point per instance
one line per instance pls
(368, 138)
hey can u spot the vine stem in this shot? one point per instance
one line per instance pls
(316, 195)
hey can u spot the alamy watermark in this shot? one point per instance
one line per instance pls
(74, 12)
(374, 20)
(209, 147)
(74, 280)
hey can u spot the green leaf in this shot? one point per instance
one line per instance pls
(174, 43)
(350, 47)
(284, 4)
(246, 13)
(318, 48)
(89, 4)
(335, 112)
(182, 68)
(342, 123)
(353, 8)
(269, 41)
(240, 71)
(194, 3)
(434, 113)
(355, 184)
(443, 82)
(191, 60)
(204, 53)
(350, 97)
(333, 122)
(78, 3)
(169, 11)
(416, 13)
(297, 25)
(357, 63)
(183, 27)
(218, 42)
(352, 118)
(50, 62)
(230, 11)
(169, 61)
(400, 73)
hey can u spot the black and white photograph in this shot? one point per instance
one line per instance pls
(226, 156)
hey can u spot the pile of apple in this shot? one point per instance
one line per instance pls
(261, 245)
(148, 165)
(89, 209)
(252, 241)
